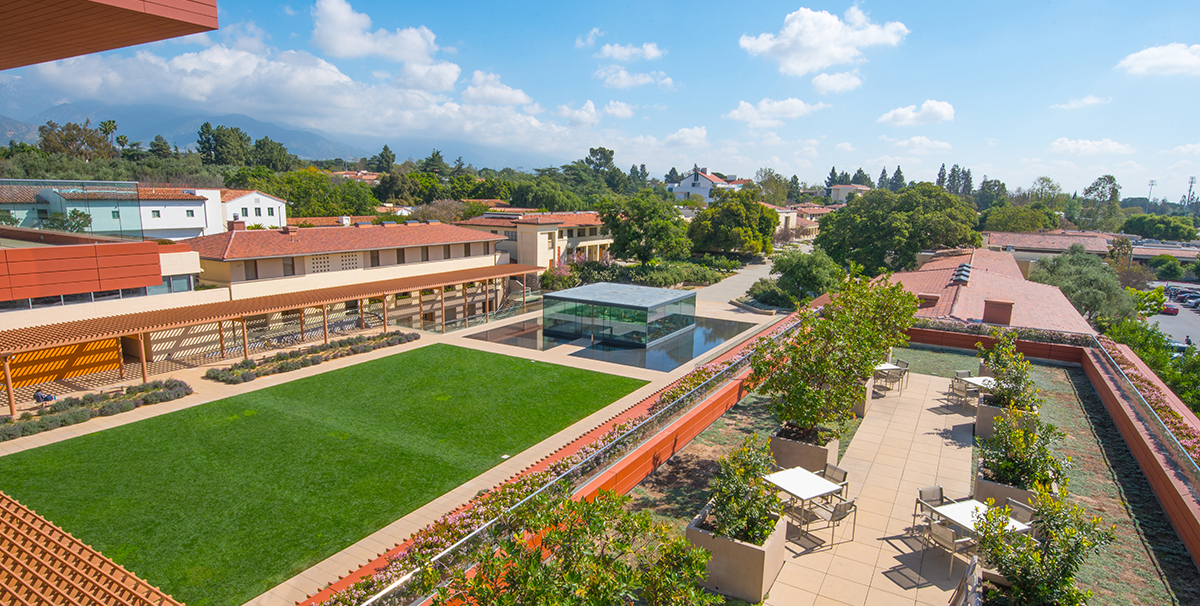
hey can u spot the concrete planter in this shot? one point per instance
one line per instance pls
(987, 489)
(860, 409)
(985, 420)
(984, 371)
(790, 453)
(740, 570)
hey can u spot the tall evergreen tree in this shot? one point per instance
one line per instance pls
(672, 177)
(883, 179)
(383, 162)
(794, 189)
(941, 180)
(160, 148)
(897, 181)
(954, 181)
(832, 179)
(862, 178)
(968, 187)
(843, 178)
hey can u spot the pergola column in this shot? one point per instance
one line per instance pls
(302, 311)
(12, 399)
(362, 313)
(142, 356)
(385, 306)
(443, 310)
(325, 322)
(245, 342)
(524, 289)
(221, 336)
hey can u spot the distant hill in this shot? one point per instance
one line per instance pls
(15, 130)
(143, 122)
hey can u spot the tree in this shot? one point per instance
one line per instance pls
(133, 151)
(991, 192)
(737, 222)
(206, 144)
(76, 140)
(673, 176)
(600, 159)
(774, 186)
(968, 187)
(645, 227)
(1101, 206)
(896, 183)
(107, 128)
(123, 141)
(1008, 217)
(1160, 227)
(74, 221)
(941, 178)
(232, 146)
(832, 179)
(383, 162)
(882, 230)
(862, 178)
(434, 164)
(545, 193)
(272, 155)
(160, 148)
(882, 183)
(807, 275)
(1170, 270)
(794, 191)
(1090, 285)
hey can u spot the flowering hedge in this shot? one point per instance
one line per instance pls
(1184, 432)
(284, 361)
(70, 411)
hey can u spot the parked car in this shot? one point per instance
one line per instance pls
(1183, 294)
(1170, 310)
(1191, 302)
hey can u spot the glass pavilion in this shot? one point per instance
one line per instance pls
(618, 314)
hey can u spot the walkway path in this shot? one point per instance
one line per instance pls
(734, 286)
(905, 442)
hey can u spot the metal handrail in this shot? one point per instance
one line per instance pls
(580, 471)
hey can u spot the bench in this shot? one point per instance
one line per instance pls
(115, 390)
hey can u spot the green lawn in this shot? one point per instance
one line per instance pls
(218, 503)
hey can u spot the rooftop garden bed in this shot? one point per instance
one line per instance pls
(71, 411)
(287, 361)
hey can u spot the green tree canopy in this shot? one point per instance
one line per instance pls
(807, 275)
(272, 154)
(1090, 285)
(1160, 227)
(1009, 217)
(645, 227)
(735, 222)
(1101, 206)
(545, 193)
(74, 221)
(160, 148)
(382, 162)
(885, 230)
(76, 140)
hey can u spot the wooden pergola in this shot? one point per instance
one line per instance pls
(21, 340)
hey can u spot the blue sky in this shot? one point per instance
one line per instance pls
(1013, 90)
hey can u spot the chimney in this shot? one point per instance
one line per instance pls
(928, 299)
(287, 229)
(997, 312)
(345, 221)
(237, 226)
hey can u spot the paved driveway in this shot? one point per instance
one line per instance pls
(1186, 324)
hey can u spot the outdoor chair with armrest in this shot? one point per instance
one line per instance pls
(948, 538)
(959, 374)
(964, 393)
(837, 475)
(885, 378)
(904, 367)
(1019, 511)
(836, 514)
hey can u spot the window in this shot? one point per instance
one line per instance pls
(160, 289)
(156, 214)
(251, 269)
(190, 213)
(181, 283)
(43, 214)
(592, 231)
(487, 248)
(496, 232)
(116, 214)
(549, 241)
(400, 256)
(320, 264)
(245, 212)
(350, 261)
(270, 211)
(374, 258)
(128, 293)
(445, 251)
(289, 266)
(560, 233)
(258, 211)
(570, 233)
(424, 253)
(511, 235)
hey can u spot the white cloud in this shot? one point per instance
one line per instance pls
(890, 162)
(618, 109)
(837, 83)
(922, 144)
(588, 40)
(931, 111)
(691, 137)
(342, 33)
(814, 40)
(534, 109)
(1167, 60)
(1191, 149)
(586, 115)
(486, 88)
(630, 52)
(615, 76)
(1086, 147)
(846, 147)
(289, 11)
(769, 113)
(1084, 102)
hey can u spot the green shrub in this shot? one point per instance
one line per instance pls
(1019, 452)
(768, 292)
(1014, 387)
(743, 503)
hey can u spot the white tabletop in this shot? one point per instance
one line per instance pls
(802, 483)
(981, 382)
(964, 513)
(886, 366)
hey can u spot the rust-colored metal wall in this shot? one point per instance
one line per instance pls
(65, 270)
(59, 363)
(36, 31)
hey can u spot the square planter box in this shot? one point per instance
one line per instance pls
(987, 489)
(861, 408)
(740, 570)
(985, 420)
(790, 453)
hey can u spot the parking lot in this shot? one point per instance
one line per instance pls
(1186, 324)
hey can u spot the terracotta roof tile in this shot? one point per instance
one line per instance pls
(1178, 253)
(567, 220)
(229, 195)
(335, 221)
(1093, 243)
(265, 243)
(168, 193)
(19, 194)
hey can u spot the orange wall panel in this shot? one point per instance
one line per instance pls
(59, 363)
(25, 292)
(50, 266)
(54, 279)
(134, 282)
(136, 271)
(46, 253)
(126, 248)
(148, 259)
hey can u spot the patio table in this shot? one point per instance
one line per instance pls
(983, 383)
(802, 485)
(886, 366)
(964, 513)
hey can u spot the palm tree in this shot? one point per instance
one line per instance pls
(122, 140)
(107, 128)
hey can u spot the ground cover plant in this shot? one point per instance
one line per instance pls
(70, 411)
(261, 486)
(287, 361)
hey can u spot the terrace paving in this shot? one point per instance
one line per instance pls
(906, 441)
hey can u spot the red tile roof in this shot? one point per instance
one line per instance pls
(741, 182)
(335, 221)
(229, 195)
(19, 194)
(713, 178)
(568, 219)
(802, 222)
(1178, 253)
(265, 243)
(1093, 243)
(994, 276)
(168, 193)
(45, 565)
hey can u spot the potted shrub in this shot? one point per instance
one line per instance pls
(1041, 571)
(1014, 387)
(820, 372)
(1014, 461)
(742, 526)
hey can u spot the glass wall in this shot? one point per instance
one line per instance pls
(625, 326)
(112, 208)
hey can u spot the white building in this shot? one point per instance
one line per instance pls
(839, 193)
(699, 182)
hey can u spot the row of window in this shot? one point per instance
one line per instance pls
(590, 231)
(323, 263)
(170, 284)
(258, 211)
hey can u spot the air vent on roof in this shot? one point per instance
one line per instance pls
(434, 221)
(412, 222)
(962, 275)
